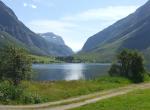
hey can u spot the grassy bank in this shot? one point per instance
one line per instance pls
(43, 59)
(137, 100)
(39, 92)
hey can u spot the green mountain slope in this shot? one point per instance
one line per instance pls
(6, 39)
(36, 44)
(132, 32)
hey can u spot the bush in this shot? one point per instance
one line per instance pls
(31, 99)
(14, 64)
(130, 65)
(114, 70)
(9, 91)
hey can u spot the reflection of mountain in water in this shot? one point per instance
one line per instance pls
(51, 72)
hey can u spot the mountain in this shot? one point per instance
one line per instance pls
(132, 32)
(53, 38)
(9, 23)
(58, 42)
(6, 39)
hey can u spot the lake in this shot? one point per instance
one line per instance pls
(54, 72)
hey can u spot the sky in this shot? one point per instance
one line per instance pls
(74, 20)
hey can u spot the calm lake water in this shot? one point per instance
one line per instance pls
(51, 72)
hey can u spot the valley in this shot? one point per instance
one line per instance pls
(44, 70)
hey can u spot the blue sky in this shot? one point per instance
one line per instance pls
(74, 20)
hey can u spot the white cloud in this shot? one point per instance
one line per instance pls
(33, 6)
(25, 4)
(50, 25)
(77, 28)
(44, 2)
(110, 13)
(29, 5)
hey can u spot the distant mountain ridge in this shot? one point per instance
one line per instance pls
(51, 37)
(58, 41)
(132, 32)
(36, 44)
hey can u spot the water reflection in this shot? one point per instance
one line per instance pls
(75, 71)
(51, 72)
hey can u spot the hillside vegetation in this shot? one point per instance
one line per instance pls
(131, 32)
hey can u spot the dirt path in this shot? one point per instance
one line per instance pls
(80, 101)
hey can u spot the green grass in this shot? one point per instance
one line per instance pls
(93, 57)
(137, 100)
(43, 59)
(53, 91)
(59, 90)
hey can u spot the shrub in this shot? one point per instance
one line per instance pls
(9, 91)
(14, 64)
(114, 70)
(28, 98)
(130, 65)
